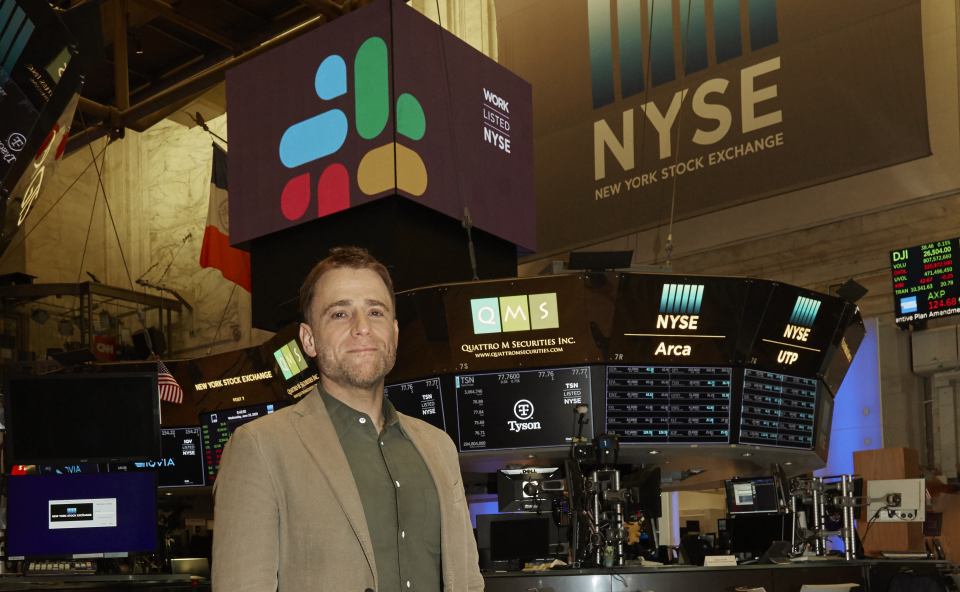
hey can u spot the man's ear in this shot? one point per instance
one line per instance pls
(396, 333)
(306, 338)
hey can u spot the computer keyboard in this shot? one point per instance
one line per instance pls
(60, 568)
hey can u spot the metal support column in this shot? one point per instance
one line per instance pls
(818, 515)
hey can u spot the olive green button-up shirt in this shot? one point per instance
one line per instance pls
(399, 497)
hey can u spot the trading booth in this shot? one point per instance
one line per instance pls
(577, 398)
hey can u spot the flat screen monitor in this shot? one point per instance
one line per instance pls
(93, 515)
(752, 496)
(81, 418)
(525, 409)
(778, 410)
(923, 282)
(420, 399)
(180, 463)
(216, 427)
(509, 537)
(669, 404)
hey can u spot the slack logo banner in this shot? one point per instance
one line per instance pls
(324, 134)
(362, 110)
(515, 313)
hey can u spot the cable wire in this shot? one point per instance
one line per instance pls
(140, 314)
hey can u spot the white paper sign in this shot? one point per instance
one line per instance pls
(720, 560)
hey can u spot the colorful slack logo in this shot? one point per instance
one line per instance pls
(680, 299)
(804, 312)
(15, 31)
(515, 313)
(908, 304)
(325, 134)
(659, 47)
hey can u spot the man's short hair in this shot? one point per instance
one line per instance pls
(343, 257)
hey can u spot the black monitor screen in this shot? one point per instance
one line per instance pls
(519, 539)
(87, 514)
(81, 418)
(180, 463)
(778, 410)
(752, 496)
(527, 409)
(669, 404)
(217, 427)
(420, 399)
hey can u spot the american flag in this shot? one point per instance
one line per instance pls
(169, 389)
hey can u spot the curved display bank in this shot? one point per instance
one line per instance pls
(699, 366)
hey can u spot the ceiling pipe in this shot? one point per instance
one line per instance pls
(211, 77)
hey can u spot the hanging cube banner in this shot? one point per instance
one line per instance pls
(380, 102)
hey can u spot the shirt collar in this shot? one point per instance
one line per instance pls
(344, 416)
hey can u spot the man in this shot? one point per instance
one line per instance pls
(341, 492)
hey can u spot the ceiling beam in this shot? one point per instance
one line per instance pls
(325, 7)
(170, 13)
(205, 80)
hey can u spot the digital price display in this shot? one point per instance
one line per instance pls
(181, 459)
(527, 409)
(420, 399)
(217, 427)
(669, 405)
(923, 283)
(778, 410)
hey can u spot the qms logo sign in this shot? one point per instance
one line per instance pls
(324, 134)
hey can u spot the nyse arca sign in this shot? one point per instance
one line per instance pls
(362, 110)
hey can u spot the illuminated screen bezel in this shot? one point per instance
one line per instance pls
(818, 393)
(585, 399)
(732, 401)
(441, 413)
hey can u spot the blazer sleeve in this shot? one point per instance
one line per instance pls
(246, 544)
(474, 579)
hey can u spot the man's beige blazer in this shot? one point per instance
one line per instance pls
(288, 516)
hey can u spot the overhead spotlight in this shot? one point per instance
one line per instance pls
(93, 277)
(40, 316)
(66, 328)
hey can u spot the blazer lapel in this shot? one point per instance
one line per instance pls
(318, 435)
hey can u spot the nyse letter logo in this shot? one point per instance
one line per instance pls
(324, 134)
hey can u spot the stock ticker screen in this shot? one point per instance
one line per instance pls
(669, 404)
(923, 283)
(418, 398)
(217, 427)
(181, 459)
(526, 409)
(778, 410)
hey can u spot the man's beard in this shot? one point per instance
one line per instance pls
(355, 375)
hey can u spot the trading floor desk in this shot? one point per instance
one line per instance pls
(870, 575)
(111, 583)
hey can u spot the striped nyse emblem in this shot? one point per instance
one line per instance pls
(169, 389)
(658, 43)
(15, 31)
(804, 312)
(681, 299)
